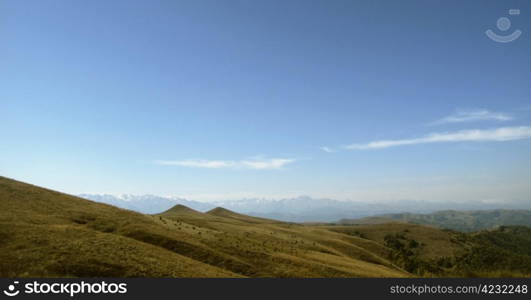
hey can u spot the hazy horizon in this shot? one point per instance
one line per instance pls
(207, 200)
(303, 208)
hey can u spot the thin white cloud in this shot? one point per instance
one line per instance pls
(327, 149)
(267, 164)
(472, 116)
(501, 134)
(255, 163)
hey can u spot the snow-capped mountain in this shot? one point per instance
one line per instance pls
(299, 209)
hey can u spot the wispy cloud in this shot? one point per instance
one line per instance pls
(475, 135)
(472, 116)
(267, 164)
(254, 164)
(327, 149)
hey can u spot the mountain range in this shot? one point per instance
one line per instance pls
(299, 209)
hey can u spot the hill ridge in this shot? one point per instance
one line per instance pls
(466, 221)
(226, 213)
(179, 208)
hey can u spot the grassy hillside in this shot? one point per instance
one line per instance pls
(273, 248)
(429, 251)
(46, 233)
(466, 221)
(505, 251)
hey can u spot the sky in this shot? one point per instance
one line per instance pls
(215, 100)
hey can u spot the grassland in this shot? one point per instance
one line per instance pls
(466, 221)
(47, 233)
(431, 252)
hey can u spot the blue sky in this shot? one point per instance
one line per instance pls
(359, 100)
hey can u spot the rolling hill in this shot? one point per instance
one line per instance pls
(47, 233)
(44, 233)
(429, 251)
(466, 221)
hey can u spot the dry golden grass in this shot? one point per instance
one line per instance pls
(436, 243)
(46, 233)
